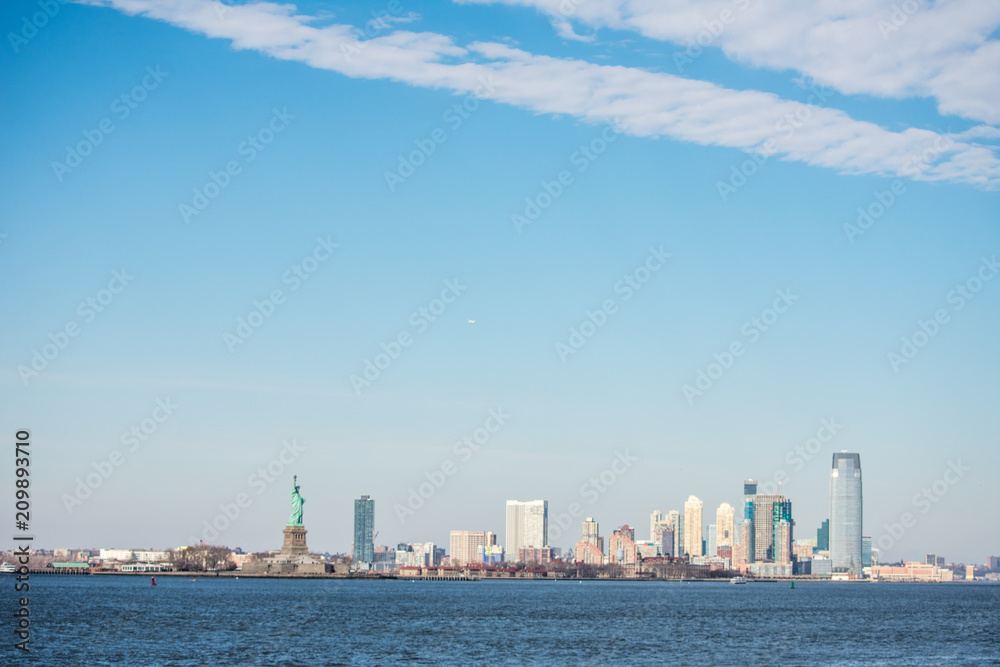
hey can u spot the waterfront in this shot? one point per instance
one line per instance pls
(210, 621)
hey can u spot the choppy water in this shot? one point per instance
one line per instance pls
(101, 620)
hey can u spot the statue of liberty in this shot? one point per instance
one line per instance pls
(297, 501)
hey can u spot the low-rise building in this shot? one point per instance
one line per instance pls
(912, 571)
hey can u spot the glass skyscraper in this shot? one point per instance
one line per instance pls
(364, 530)
(845, 513)
(823, 536)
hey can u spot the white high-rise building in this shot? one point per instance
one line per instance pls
(712, 544)
(655, 525)
(527, 525)
(692, 526)
(725, 526)
(590, 530)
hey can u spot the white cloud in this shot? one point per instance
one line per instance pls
(642, 103)
(905, 48)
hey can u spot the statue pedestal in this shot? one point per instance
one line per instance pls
(295, 541)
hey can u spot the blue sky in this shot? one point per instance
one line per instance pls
(559, 82)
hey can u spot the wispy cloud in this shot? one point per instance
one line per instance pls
(641, 103)
(909, 48)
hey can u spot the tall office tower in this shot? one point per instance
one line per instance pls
(930, 559)
(845, 513)
(674, 521)
(823, 536)
(763, 528)
(866, 552)
(681, 544)
(668, 542)
(725, 522)
(590, 531)
(364, 530)
(713, 540)
(747, 551)
(628, 532)
(940, 561)
(783, 541)
(654, 520)
(781, 510)
(749, 491)
(768, 510)
(527, 525)
(692, 526)
(464, 545)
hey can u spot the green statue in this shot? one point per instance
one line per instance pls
(297, 500)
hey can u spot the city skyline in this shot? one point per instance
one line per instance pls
(765, 537)
(408, 269)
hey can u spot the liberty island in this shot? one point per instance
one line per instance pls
(293, 558)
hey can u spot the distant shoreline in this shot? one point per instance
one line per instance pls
(232, 574)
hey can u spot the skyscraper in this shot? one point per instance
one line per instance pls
(464, 545)
(693, 526)
(782, 541)
(589, 531)
(768, 512)
(823, 536)
(725, 523)
(668, 542)
(674, 521)
(749, 491)
(656, 520)
(681, 544)
(364, 530)
(845, 513)
(713, 543)
(746, 550)
(527, 525)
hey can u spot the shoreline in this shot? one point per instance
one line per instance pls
(233, 575)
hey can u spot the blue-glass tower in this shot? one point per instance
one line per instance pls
(845, 513)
